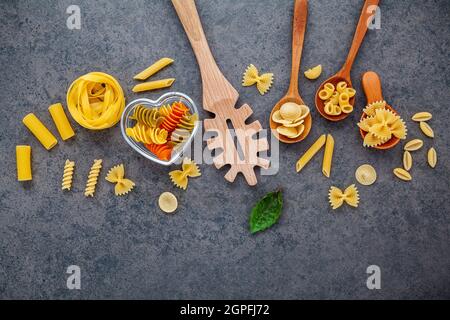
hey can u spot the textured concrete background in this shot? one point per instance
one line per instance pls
(127, 248)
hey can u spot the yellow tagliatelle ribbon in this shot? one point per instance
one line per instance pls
(96, 101)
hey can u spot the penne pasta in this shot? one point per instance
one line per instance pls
(307, 156)
(328, 156)
(154, 68)
(153, 85)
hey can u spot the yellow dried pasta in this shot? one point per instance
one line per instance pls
(23, 162)
(432, 157)
(407, 160)
(148, 116)
(402, 174)
(93, 178)
(313, 73)
(188, 121)
(349, 196)
(153, 85)
(422, 116)
(366, 175)
(251, 76)
(69, 167)
(189, 170)
(307, 156)
(147, 135)
(96, 101)
(117, 175)
(154, 68)
(328, 156)
(426, 129)
(37, 128)
(168, 202)
(61, 122)
(413, 145)
(337, 99)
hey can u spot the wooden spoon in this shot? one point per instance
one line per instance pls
(344, 73)
(298, 37)
(372, 88)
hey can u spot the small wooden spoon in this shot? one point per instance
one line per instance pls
(372, 88)
(298, 37)
(344, 73)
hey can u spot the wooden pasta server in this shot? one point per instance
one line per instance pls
(220, 98)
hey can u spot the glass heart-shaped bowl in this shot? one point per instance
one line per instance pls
(168, 98)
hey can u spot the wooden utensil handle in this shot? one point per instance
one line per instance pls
(358, 38)
(215, 87)
(372, 87)
(298, 37)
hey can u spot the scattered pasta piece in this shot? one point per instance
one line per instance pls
(328, 156)
(366, 175)
(69, 167)
(154, 68)
(116, 175)
(337, 197)
(313, 73)
(337, 99)
(422, 116)
(402, 174)
(413, 145)
(153, 85)
(37, 128)
(251, 77)
(144, 134)
(23, 162)
(432, 157)
(168, 202)
(96, 101)
(407, 160)
(61, 122)
(180, 177)
(93, 178)
(307, 156)
(426, 129)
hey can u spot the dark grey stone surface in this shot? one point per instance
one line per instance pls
(127, 248)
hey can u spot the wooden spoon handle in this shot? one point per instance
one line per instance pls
(298, 37)
(358, 38)
(372, 87)
(216, 88)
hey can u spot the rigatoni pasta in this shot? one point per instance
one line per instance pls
(61, 122)
(23, 161)
(45, 137)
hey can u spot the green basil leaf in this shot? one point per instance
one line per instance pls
(266, 212)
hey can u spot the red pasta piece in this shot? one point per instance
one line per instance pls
(162, 151)
(174, 117)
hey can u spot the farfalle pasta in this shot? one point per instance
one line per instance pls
(263, 82)
(381, 127)
(337, 99)
(349, 196)
(189, 170)
(117, 175)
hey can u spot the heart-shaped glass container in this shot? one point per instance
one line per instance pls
(165, 99)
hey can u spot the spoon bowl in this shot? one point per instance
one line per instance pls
(307, 121)
(320, 104)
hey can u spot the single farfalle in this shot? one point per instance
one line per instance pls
(372, 107)
(349, 196)
(263, 82)
(117, 175)
(189, 170)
